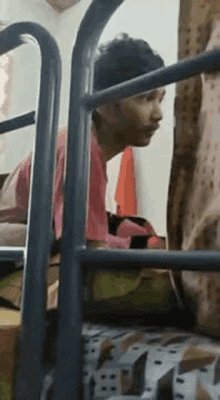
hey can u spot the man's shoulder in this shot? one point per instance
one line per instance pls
(25, 163)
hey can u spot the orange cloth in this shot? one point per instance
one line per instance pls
(125, 193)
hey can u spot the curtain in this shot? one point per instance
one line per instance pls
(194, 193)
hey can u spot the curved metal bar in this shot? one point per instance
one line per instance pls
(30, 373)
(9, 41)
(68, 376)
(206, 62)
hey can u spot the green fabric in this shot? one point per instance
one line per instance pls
(115, 284)
(8, 280)
(5, 388)
(115, 290)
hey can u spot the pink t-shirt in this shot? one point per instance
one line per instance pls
(19, 188)
(97, 225)
(15, 194)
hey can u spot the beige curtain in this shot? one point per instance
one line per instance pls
(194, 194)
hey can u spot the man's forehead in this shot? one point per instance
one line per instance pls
(159, 91)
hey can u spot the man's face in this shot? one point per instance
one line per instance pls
(136, 119)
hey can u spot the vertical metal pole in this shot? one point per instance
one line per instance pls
(67, 382)
(30, 373)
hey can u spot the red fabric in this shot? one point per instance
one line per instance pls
(23, 185)
(97, 226)
(23, 188)
(128, 228)
(58, 186)
(154, 241)
(18, 212)
(125, 193)
(116, 242)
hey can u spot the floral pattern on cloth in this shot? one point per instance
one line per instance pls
(200, 230)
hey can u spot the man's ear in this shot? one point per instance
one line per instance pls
(110, 113)
(101, 111)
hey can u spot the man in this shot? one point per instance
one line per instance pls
(129, 122)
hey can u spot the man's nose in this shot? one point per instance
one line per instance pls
(156, 112)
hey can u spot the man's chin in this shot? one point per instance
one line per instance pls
(143, 142)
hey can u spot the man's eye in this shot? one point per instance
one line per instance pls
(142, 97)
(151, 97)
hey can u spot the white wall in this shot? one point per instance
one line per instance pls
(69, 22)
(26, 67)
(156, 22)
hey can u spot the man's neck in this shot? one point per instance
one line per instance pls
(107, 139)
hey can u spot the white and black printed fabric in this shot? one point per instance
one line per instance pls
(149, 363)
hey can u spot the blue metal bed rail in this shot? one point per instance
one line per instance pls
(68, 374)
(30, 374)
(18, 122)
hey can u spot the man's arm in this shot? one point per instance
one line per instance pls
(14, 194)
(14, 197)
(97, 245)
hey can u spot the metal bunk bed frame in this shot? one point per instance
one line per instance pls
(74, 253)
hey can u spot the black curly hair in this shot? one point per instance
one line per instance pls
(122, 59)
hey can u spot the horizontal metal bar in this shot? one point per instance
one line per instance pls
(208, 61)
(177, 260)
(17, 122)
(12, 253)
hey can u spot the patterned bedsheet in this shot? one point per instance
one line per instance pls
(149, 363)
